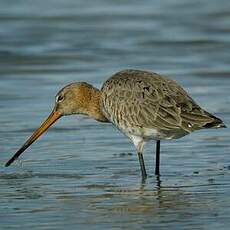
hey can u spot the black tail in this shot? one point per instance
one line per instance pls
(216, 123)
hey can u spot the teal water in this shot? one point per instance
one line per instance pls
(85, 175)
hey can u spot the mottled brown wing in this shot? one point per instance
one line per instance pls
(189, 115)
(144, 99)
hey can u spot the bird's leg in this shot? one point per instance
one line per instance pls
(158, 181)
(157, 167)
(142, 164)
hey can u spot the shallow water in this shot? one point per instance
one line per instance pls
(85, 175)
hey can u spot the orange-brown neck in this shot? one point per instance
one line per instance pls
(94, 109)
(80, 98)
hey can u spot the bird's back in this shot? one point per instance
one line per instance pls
(146, 104)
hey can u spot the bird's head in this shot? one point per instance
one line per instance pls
(75, 98)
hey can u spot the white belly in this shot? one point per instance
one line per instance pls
(154, 134)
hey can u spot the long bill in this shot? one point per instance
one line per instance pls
(54, 116)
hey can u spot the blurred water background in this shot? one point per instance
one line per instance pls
(85, 175)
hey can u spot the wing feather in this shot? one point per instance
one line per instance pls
(148, 100)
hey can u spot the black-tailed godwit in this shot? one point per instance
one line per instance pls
(143, 105)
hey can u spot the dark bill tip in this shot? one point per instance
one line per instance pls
(37, 133)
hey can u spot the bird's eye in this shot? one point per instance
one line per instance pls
(59, 98)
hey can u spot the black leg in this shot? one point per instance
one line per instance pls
(142, 164)
(157, 168)
(158, 180)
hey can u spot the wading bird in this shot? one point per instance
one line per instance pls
(143, 105)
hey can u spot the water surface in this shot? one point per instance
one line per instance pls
(85, 175)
